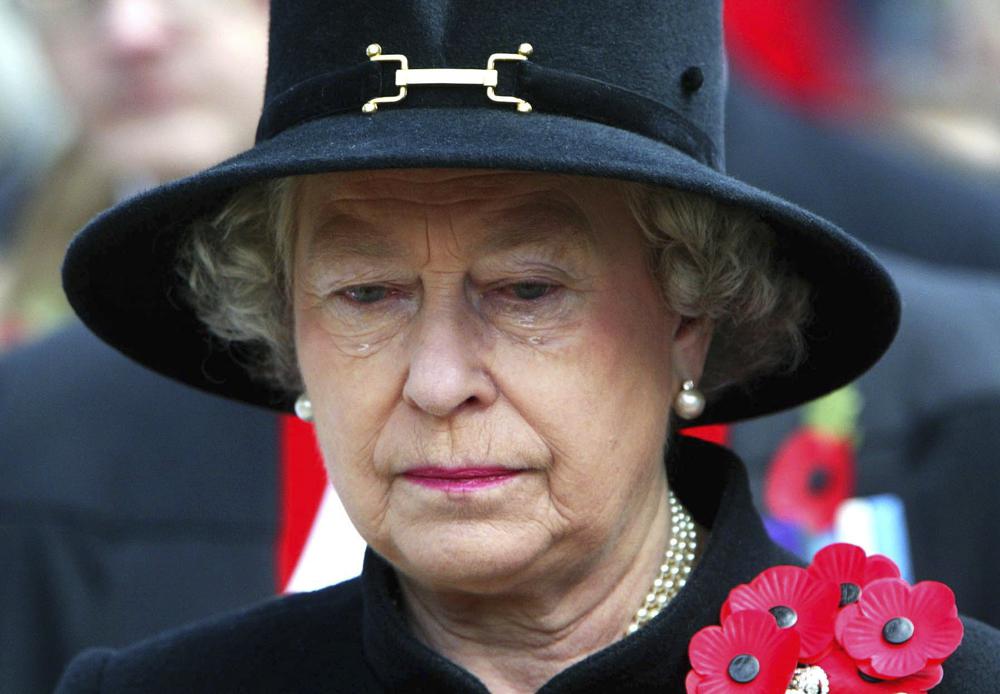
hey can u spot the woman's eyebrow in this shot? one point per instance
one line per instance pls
(345, 235)
(542, 223)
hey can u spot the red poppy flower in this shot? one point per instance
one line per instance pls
(844, 675)
(896, 630)
(847, 566)
(748, 654)
(797, 601)
(811, 474)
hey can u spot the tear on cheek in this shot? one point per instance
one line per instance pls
(359, 346)
(360, 339)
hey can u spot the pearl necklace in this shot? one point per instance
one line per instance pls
(677, 563)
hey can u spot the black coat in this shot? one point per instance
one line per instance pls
(353, 638)
(128, 504)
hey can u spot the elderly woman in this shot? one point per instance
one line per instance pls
(490, 304)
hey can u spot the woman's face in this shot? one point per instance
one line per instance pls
(491, 368)
(161, 87)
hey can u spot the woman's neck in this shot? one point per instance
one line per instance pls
(517, 641)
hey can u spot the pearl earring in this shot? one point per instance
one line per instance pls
(690, 402)
(304, 408)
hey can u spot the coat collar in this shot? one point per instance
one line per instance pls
(712, 484)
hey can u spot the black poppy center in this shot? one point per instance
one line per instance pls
(744, 668)
(849, 593)
(898, 630)
(820, 480)
(784, 616)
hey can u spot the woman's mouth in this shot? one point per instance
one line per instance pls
(463, 479)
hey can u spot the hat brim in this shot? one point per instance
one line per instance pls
(121, 279)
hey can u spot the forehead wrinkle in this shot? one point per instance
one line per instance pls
(545, 222)
(346, 235)
(542, 218)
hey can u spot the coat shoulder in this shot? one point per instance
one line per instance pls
(312, 639)
(975, 666)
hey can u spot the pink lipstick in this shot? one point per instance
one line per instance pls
(463, 479)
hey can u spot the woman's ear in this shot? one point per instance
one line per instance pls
(689, 350)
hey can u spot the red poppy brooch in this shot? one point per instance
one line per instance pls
(848, 623)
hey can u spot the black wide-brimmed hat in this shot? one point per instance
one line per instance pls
(630, 89)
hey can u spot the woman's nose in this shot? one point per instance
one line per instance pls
(135, 29)
(448, 372)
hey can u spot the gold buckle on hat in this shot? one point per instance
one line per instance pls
(405, 77)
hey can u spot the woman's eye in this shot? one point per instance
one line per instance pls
(366, 294)
(530, 291)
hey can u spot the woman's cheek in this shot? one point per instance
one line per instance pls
(547, 323)
(351, 331)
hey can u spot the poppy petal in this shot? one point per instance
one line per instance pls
(921, 681)
(839, 562)
(844, 676)
(880, 566)
(933, 604)
(926, 613)
(797, 600)
(749, 634)
(707, 649)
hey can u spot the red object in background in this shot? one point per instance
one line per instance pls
(809, 52)
(303, 480)
(713, 433)
(12, 332)
(811, 475)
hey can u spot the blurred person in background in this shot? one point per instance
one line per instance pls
(904, 461)
(940, 62)
(26, 122)
(157, 91)
(129, 503)
(862, 70)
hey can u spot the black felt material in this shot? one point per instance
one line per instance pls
(324, 95)
(576, 96)
(119, 272)
(546, 90)
(353, 638)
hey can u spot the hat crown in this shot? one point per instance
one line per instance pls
(644, 46)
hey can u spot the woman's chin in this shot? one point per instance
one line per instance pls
(478, 556)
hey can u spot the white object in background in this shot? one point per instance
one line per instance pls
(34, 123)
(877, 524)
(333, 552)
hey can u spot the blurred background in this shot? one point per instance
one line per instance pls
(129, 504)
(921, 73)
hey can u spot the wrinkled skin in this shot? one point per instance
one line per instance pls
(470, 318)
